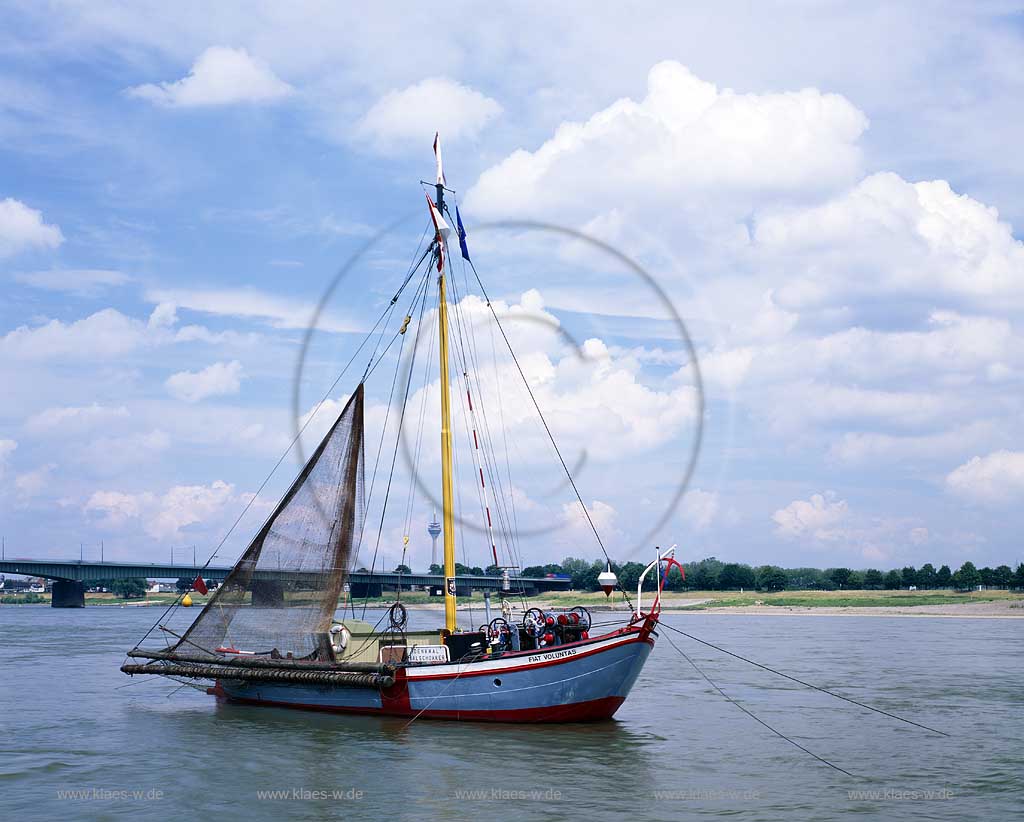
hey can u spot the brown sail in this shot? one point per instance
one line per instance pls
(280, 597)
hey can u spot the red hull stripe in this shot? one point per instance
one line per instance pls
(590, 711)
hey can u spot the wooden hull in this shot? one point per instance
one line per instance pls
(580, 682)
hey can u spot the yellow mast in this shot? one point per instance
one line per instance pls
(448, 508)
(448, 503)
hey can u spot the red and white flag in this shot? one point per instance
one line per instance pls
(437, 156)
(440, 226)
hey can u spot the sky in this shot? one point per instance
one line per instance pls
(826, 194)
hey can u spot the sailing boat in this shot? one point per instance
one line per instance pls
(269, 634)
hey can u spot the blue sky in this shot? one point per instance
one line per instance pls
(828, 193)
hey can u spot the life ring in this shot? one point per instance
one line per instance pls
(340, 636)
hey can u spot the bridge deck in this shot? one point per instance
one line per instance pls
(94, 571)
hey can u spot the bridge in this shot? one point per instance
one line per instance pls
(71, 578)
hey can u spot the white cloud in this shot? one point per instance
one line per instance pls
(794, 403)
(109, 455)
(186, 505)
(594, 401)
(889, 235)
(864, 447)
(700, 508)
(22, 228)
(685, 138)
(82, 282)
(106, 334)
(413, 114)
(216, 380)
(996, 479)
(118, 508)
(277, 310)
(220, 76)
(165, 315)
(162, 516)
(7, 448)
(74, 419)
(33, 483)
(577, 526)
(818, 517)
(726, 367)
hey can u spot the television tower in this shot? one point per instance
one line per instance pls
(434, 529)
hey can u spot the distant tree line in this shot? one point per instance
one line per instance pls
(714, 575)
(124, 588)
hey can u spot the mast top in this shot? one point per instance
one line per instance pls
(439, 185)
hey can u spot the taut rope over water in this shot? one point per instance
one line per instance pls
(801, 682)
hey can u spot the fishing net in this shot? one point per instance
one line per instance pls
(280, 597)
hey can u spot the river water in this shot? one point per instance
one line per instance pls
(82, 741)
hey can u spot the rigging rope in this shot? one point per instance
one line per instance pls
(800, 681)
(398, 436)
(482, 445)
(727, 698)
(547, 428)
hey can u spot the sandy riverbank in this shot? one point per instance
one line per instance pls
(996, 609)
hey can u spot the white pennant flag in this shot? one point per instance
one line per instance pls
(437, 154)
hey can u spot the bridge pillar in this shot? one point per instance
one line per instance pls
(268, 593)
(362, 590)
(68, 593)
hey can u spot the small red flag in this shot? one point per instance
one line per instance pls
(200, 586)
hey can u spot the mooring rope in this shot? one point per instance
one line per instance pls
(801, 682)
(749, 713)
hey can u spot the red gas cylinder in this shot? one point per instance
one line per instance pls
(562, 619)
(575, 618)
(550, 620)
(585, 635)
(549, 638)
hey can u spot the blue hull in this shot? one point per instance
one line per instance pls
(583, 681)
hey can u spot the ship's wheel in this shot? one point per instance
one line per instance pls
(534, 622)
(584, 617)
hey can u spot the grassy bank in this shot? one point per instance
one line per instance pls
(699, 600)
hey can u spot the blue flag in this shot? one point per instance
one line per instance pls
(462, 235)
